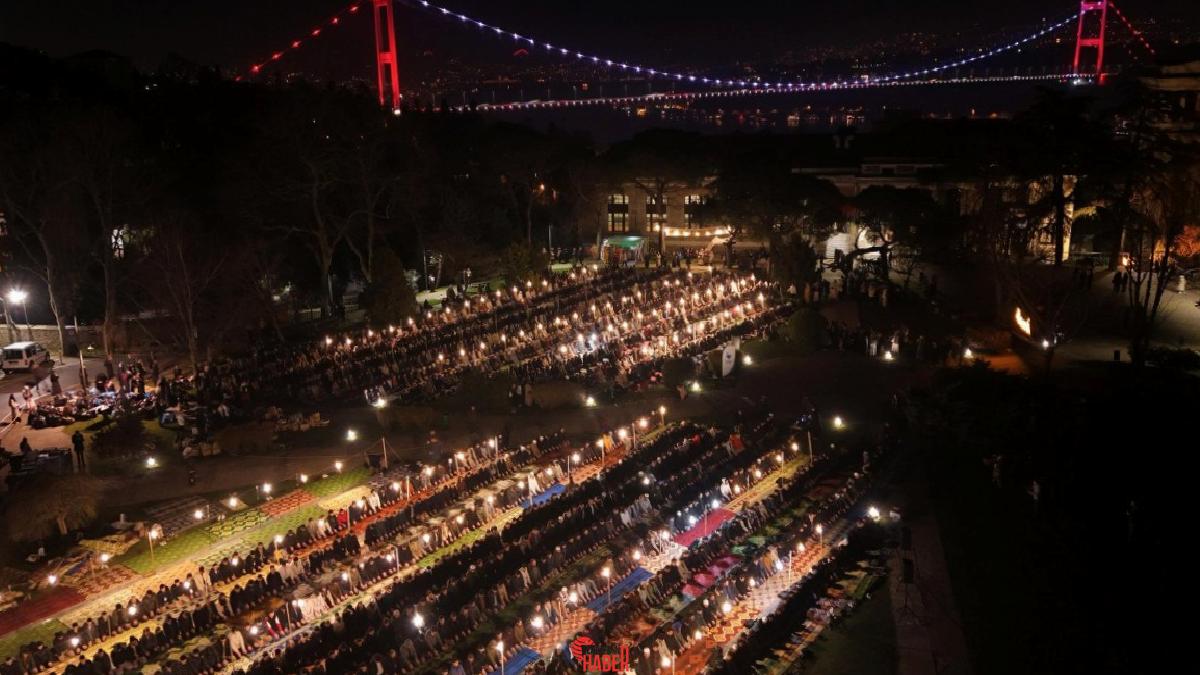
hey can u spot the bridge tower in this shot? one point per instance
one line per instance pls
(1089, 36)
(385, 55)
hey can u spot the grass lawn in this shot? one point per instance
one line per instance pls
(10, 644)
(337, 483)
(863, 644)
(468, 539)
(180, 547)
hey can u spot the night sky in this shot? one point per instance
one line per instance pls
(235, 32)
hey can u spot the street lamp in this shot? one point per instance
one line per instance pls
(662, 414)
(715, 504)
(606, 572)
(151, 536)
(17, 296)
(573, 459)
(500, 648)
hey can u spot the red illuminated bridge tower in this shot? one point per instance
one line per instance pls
(385, 55)
(1089, 38)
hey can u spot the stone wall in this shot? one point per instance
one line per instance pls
(91, 338)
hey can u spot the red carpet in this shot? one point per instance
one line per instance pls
(39, 608)
(715, 518)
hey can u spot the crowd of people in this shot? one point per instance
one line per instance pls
(312, 554)
(560, 330)
(699, 589)
(481, 580)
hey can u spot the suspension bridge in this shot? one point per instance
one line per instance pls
(1087, 66)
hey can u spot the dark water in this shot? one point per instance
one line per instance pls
(799, 112)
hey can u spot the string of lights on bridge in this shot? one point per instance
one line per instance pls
(336, 19)
(1134, 31)
(617, 64)
(1076, 78)
(333, 20)
(724, 87)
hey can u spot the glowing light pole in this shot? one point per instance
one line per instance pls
(17, 296)
(606, 572)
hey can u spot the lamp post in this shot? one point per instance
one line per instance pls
(500, 648)
(7, 319)
(18, 297)
(606, 572)
(715, 503)
(662, 414)
(151, 536)
(574, 458)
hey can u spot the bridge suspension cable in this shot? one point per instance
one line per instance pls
(333, 20)
(630, 67)
(756, 91)
(1137, 34)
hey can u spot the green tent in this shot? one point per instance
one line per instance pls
(623, 248)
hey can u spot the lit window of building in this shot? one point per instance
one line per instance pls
(656, 212)
(618, 212)
(691, 210)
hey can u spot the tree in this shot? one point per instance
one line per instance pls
(45, 207)
(48, 503)
(373, 162)
(758, 194)
(586, 181)
(101, 147)
(1044, 303)
(654, 160)
(1169, 203)
(1061, 142)
(896, 223)
(199, 275)
(523, 263)
(388, 298)
(523, 161)
(795, 263)
(1187, 243)
(303, 140)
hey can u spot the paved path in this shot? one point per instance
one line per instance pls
(929, 634)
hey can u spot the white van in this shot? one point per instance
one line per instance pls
(24, 356)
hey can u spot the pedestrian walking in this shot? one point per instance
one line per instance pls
(77, 442)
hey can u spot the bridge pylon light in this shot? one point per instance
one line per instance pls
(385, 55)
(1089, 37)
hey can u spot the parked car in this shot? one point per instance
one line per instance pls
(24, 356)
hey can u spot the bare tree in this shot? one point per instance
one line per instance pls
(49, 504)
(1167, 205)
(99, 146)
(45, 210)
(199, 279)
